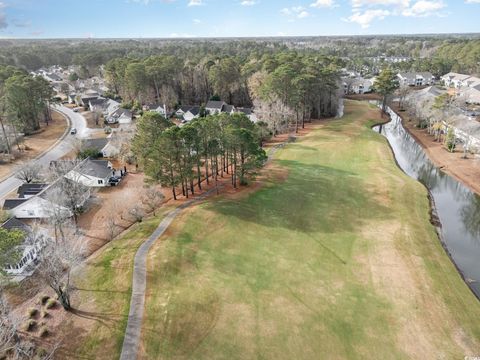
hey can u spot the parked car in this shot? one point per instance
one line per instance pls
(76, 109)
(73, 131)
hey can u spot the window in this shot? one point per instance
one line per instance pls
(100, 182)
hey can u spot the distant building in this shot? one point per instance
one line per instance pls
(415, 78)
(215, 107)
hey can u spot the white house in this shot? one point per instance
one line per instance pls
(416, 79)
(215, 107)
(158, 108)
(30, 249)
(455, 80)
(192, 113)
(91, 173)
(249, 112)
(120, 116)
(357, 86)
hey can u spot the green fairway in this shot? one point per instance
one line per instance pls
(333, 258)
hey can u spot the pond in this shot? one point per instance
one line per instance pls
(457, 207)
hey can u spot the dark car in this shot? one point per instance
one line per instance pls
(73, 131)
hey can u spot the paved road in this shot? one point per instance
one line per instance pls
(62, 147)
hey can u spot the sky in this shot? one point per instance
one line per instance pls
(233, 18)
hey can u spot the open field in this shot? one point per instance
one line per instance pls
(337, 260)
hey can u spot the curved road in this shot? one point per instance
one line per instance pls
(62, 147)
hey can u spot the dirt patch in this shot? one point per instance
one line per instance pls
(38, 143)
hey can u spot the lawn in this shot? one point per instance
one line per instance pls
(333, 257)
(96, 329)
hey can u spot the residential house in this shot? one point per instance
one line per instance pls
(228, 109)
(42, 204)
(357, 86)
(98, 104)
(158, 108)
(215, 107)
(71, 98)
(416, 79)
(94, 144)
(455, 80)
(30, 249)
(249, 112)
(26, 191)
(120, 116)
(192, 113)
(91, 173)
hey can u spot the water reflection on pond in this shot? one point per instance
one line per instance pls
(457, 206)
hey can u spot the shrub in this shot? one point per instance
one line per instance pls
(29, 325)
(91, 152)
(51, 304)
(32, 312)
(44, 299)
(44, 332)
(44, 314)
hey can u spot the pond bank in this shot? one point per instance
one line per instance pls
(456, 206)
(467, 171)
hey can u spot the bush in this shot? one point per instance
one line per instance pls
(32, 312)
(44, 314)
(44, 332)
(91, 153)
(51, 304)
(44, 299)
(29, 325)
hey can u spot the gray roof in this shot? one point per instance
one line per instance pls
(30, 189)
(10, 204)
(246, 111)
(15, 224)
(97, 144)
(195, 110)
(228, 108)
(94, 168)
(215, 105)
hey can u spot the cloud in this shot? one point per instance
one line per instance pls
(323, 3)
(366, 17)
(472, 1)
(197, 21)
(424, 8)
(248, 3)
(397, 3)
(295, 12)
(195, 3)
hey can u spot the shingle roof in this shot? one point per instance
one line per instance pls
(15, 224)
(30, 189)
(228, 108)
(195, 110)
(94, 168)
(10, 204)
(215, 105)
(97, 144)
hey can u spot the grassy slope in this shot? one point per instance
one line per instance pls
(338, 260)
(104, 296)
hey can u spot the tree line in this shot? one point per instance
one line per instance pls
(286, 87)
(24, 103)
(205, 149)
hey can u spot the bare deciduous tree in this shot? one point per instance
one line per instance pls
(11, 343)
(136, 213)
(57, 261)
(152, 199)
(29, 172)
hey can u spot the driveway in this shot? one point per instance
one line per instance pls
(61, 148)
